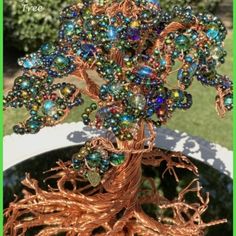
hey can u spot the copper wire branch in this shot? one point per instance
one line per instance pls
(116, 205)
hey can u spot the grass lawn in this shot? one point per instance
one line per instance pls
(201, 120)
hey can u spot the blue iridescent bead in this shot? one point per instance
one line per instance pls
(27, 64)
(133, 34)
(159, 100)
(25, 84)
(163, 62)
(180, 74)
(77, 163)
(74, 14)
(213, 30)
(31, 62)
(150, 112)
(192, 69)
(49, 107)
(112, 33)
(105, 162)
(144, 71)
(188, 59)
(86, 50)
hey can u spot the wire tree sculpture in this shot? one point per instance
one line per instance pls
(134, 46)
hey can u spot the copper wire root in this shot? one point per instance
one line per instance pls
(112, 208)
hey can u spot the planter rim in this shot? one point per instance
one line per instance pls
(17, 148)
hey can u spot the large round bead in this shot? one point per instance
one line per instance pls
(182, 42)
(49, 108)
(137, 101)
(61, 62)
(213, 30)
(117, 159)
(94, 159)
(47, 49)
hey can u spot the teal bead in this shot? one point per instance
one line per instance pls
(25, 84)
(94, 159)
(117, 159)
(182, 42)
(28, 64)
(126, 120)
(47, 49)
(69, 28)
(49, 108)
(34, 126)
(61, 62)
(228, 100)
(213, 30)
(50, 80)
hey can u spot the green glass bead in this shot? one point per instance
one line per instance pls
(117, 159)
(182, 42)
(84, 116)
(61, 62)
(137, 101)
(93, 177)
(94, 159)
(93, 106)
(47, 49)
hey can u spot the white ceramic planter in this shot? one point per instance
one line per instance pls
(18, 148)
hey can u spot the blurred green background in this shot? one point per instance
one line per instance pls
(24, 32)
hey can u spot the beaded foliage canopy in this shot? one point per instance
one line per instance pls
(146, 59)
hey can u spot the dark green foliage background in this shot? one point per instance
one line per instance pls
(27, 30)
(198, 5)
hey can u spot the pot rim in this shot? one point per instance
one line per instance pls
(18, 148)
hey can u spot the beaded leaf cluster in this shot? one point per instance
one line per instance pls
(135, 53)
